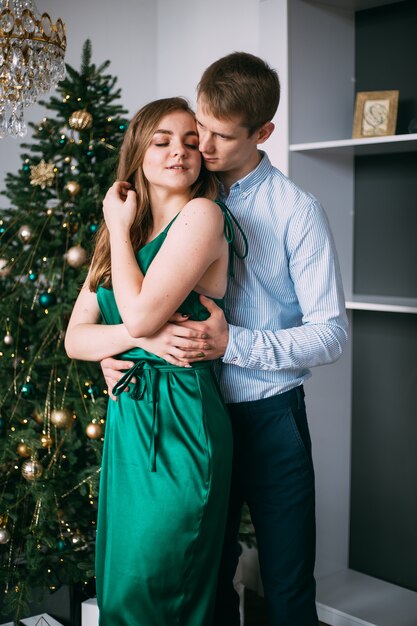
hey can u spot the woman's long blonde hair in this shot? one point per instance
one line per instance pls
(136, 141)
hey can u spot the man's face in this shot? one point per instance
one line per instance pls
(226, 145)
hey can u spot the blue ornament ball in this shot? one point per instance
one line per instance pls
(47, 299)
(93, 228)
(61, 545)
(32, 276)
(28, 390)
(93, 391)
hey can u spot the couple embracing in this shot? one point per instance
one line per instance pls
(213, 288)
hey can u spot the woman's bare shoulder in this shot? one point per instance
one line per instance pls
(200, 220)
(202, 209)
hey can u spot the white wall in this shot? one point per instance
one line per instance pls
(194, 33)
(159, 48)
(124, 33)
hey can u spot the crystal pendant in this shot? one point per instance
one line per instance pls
(3, 125)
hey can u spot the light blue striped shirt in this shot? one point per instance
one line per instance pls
(285, 304)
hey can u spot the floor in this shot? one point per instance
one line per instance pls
(254, 610)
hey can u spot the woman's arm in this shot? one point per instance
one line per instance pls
(194, 242)
(87, 340)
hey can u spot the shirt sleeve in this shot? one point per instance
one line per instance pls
(314, 272)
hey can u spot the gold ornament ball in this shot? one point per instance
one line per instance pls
(61, 418)
(23, 450)
(94, 430)
(37, 416)
(76, 256)
(4, 535)
(8, 339)
(24, 233)
(4, 270)
(73, 188)
(80, 120)
(47, 441)
(31, 470)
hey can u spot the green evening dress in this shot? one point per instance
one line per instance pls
(164, 482)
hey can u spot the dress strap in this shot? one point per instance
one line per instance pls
(229, 232)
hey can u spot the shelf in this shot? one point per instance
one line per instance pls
(368, 145)
(353, 5)
(382, 303)
(349, 598)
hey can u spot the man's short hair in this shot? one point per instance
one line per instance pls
(240, 85)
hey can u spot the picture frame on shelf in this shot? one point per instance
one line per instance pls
(375, 113)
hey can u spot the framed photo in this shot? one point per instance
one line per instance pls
(375, 113)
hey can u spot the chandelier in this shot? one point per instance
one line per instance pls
(32, 51)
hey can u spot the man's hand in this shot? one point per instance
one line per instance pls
(214, 331)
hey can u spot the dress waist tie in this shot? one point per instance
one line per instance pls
(147, 379)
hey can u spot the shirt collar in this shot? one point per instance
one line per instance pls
(253, 179)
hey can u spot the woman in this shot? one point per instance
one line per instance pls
(168, 445)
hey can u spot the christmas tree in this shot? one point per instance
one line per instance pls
(52, 409)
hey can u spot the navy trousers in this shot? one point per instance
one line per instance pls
(273, 473)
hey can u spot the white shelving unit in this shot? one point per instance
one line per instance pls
(382, 303)
(321, 77)
(369, 145)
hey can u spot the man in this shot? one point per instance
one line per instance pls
(285, 313)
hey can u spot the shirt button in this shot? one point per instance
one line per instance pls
(234, 360)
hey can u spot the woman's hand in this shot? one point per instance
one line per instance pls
(119, 207)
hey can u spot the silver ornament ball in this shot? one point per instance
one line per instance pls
(8, 340)
(4, 535)
(24, 233)
(76, 256)
(4, 270)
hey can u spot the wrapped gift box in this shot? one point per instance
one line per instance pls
(89, 613)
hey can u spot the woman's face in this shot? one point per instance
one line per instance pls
(173, 161)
